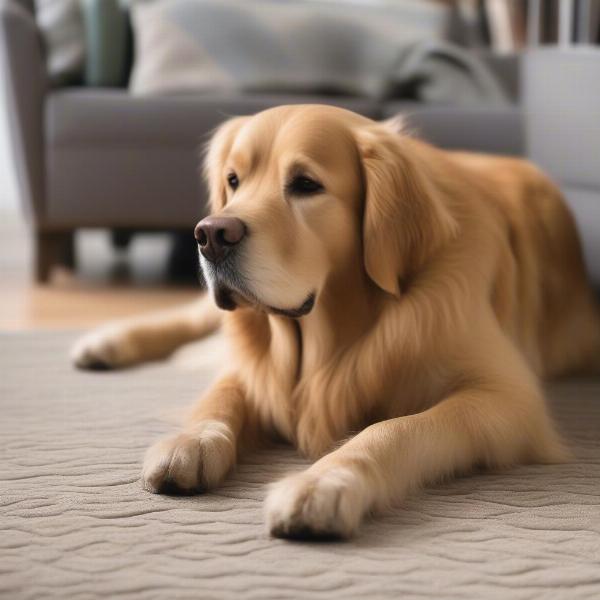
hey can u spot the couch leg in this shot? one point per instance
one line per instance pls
(121, 238)
(69, 253)
(52, 249)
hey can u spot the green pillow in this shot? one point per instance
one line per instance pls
(106, 24)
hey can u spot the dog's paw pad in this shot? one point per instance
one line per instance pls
(101, 350)
(325, 506)
(97, 365)
(189, 462)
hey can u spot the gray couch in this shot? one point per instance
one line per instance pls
(92, 157)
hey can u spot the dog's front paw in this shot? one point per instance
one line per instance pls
(325, 505)
(104, 348)
(191, 461)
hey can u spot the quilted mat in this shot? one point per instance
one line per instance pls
(75, 522)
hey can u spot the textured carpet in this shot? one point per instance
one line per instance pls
(75, 523)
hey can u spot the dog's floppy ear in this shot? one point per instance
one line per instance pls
(405, 220)
(216, 152)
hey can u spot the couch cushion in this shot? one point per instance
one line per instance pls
(61, 27)
(498, 130)
(116, 160)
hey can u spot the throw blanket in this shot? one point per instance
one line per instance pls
(378, 51)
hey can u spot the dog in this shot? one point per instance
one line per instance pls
(392, 308)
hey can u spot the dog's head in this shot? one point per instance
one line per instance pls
(299, 193)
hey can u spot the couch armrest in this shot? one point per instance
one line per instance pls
(23, 69)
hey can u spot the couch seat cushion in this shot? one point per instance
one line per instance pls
(494, 129)
(117, 160)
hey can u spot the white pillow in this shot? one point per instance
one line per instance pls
(346, 47)
(61, 24)
(167, 59)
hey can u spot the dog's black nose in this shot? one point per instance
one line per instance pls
(216, 236)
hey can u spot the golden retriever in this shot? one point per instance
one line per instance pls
(392, 306)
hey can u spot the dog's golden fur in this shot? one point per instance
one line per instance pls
(446, 284)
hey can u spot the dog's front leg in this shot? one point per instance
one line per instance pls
(496, 424)
(148, 337)
(200, 456)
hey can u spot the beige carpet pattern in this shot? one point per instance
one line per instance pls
(75, 523)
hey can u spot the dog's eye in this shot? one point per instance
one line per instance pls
(303, 186)
(233, 181)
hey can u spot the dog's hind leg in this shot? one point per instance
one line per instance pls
(574, 348)
(147, 337)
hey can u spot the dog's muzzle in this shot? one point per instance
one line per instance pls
(218, 236)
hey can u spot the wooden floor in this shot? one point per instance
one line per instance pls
(106, 285)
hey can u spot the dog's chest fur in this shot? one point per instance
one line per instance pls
(308, 396)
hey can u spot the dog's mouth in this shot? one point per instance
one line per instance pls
(295, 313)
(227, 298)
(231, 291)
